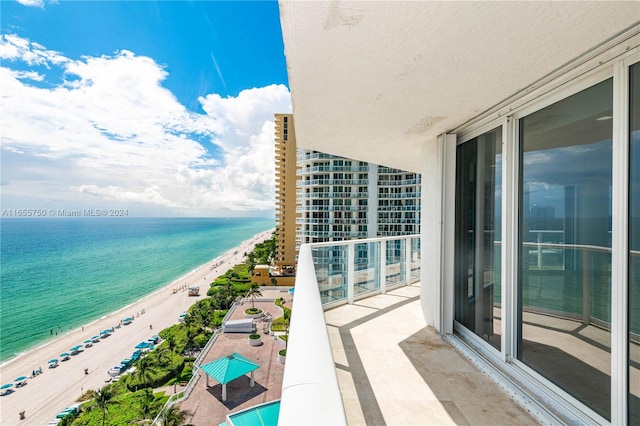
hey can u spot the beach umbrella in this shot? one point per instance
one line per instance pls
(19, 379)
(87, 341)
(143, 345)
(6, 386)
(53, 360)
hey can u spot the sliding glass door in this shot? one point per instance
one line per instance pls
(565, 244)
(478, 235)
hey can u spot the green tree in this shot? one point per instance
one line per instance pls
(102, 400)
(223, 296)
(287, 319)
(189, 320)
(204, 316)
(163, 354)
(143, 370)
(251, 261)
(254, 292)
(146, 404)
(191, 336)
(173, 416)
(171, 343)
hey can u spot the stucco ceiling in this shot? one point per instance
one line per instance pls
(374, 80)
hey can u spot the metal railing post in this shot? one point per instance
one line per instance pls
(407, 260)
(351, 268)
(383, 266)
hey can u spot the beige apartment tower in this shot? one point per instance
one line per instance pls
(285, 147)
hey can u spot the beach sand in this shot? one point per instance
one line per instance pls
(48, 393)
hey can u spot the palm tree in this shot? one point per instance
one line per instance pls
(251, 261)
(223, 296)
(287, 319)
(143, 370)
(173, 416)
(146, 403)
(163, 354)
(189, 320)
(254, 292)
(191, 336)
(203, 316)
(102, 401)
(171, 343)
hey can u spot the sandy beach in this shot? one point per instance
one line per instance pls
(56, 388)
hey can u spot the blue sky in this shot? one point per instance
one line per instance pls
(164, 108)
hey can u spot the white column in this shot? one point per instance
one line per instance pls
(252, 381)
(224, 392)
(437, 231)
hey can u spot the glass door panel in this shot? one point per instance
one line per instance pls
(564, 292)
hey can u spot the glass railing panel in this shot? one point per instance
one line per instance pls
(367, 267)
(415, 259)
(331, 271)
(396, 261)
(568, 281)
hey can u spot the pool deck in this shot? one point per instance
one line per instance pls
(205, 404)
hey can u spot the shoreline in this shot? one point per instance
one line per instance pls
(54, 389)
(164, 287)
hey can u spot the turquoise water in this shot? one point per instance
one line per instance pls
(63, 273)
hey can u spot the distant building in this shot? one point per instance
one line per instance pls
(322, 197)
(342, 199)
(285, 146)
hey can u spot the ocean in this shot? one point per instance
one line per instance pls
(61, 273)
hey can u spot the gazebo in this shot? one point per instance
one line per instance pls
(229, 368)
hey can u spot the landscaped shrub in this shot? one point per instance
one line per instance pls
(278, 324)
(202, 339)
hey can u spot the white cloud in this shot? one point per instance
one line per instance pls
(32, 3)
(111, 135)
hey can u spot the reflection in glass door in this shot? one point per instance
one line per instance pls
(478, 227)
(564, 292)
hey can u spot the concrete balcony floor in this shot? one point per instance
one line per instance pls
(394, 370)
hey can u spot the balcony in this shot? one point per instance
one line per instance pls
(361, 353)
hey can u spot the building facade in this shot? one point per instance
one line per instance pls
(343, 199)
(529, 152)
(322, 197)
(285, 157)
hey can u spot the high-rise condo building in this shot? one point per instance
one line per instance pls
(285, 150)
(322, 197)
(343, 199)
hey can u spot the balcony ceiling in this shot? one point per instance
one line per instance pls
(374, 80)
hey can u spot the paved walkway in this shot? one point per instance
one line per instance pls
(205, 403)
(393, 370)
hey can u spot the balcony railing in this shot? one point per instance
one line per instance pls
(310, 391)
